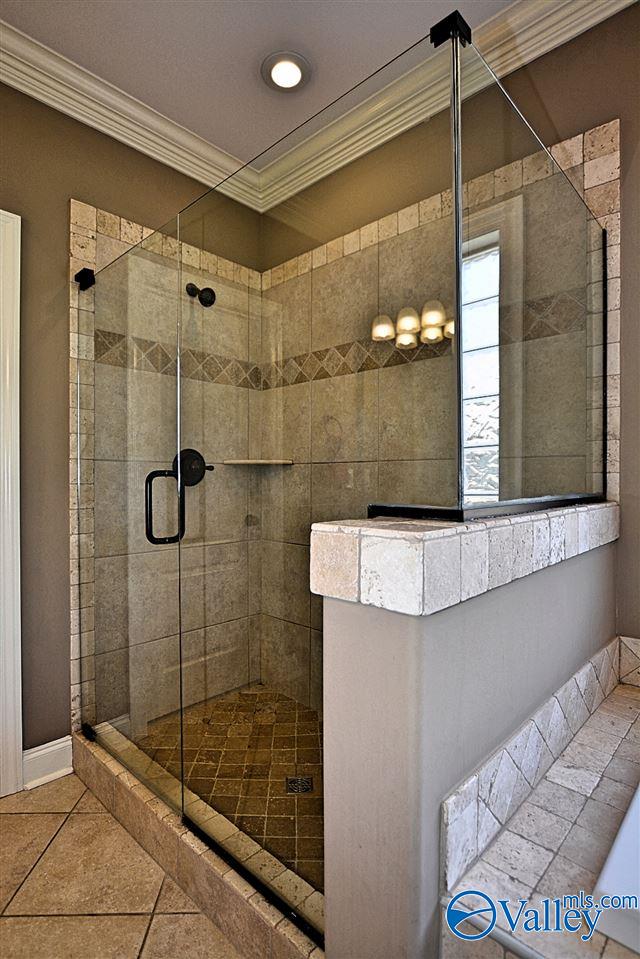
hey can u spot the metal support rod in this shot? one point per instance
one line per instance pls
(456, 153)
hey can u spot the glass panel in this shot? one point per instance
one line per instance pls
(480, 324)
(480, 277)
(306, 415)
(481, 471)
(480, 373)
(137, 648)
(271, 368)
(481, 421)
(544, 286)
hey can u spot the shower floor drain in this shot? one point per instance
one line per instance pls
(299, 784)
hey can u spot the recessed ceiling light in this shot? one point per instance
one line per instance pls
(285, 70)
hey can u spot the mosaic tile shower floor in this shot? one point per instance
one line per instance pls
(239, 750)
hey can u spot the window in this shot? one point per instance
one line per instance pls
(481, 372)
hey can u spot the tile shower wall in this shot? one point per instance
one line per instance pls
(289, 372)
(344, 410)
(135, 670)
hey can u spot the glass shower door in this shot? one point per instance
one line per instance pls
(137, 515)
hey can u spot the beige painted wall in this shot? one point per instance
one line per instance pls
(47, 158)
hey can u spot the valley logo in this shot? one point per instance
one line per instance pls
(569, 914)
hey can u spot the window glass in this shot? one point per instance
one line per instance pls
(481, 375)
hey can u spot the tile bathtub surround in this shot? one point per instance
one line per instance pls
(442, 563)
(555, 844)
(476, 811)
(254, 927)
(111, 899)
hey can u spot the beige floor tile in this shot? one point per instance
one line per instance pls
(585, 848)
(192, 936)
(540, 826)
(93, 866)
(612, 792)
(22, 839)
(173, 899)
(557, 799)
(89, 804)
(61, 795)
(72, 937)
(601, 818)
(565, 878)
(518, 857)
(623, 771)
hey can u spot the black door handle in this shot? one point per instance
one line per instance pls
(148, 510)
(192, 470)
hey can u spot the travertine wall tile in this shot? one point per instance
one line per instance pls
(542, 747)
(335, 565)
(391, 574)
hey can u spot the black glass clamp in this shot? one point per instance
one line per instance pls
(85, 278)
(454, 25)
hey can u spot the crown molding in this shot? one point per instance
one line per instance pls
(45, 75)
(514, 37)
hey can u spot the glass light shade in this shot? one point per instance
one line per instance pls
(408, 320)
(286, 73)
(406, 341)
(450, 329)
(431, 334)
(383, 328)
(433, 314)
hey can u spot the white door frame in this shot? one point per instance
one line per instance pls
(10, 652)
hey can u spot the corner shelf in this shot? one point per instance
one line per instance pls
(257, 462)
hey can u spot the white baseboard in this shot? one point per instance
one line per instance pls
(44, 763)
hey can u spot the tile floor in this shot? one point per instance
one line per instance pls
(239, 750)
(75, 885)
(558, 840)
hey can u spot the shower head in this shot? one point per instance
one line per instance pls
(206, 296)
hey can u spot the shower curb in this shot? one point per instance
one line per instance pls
(255, 927)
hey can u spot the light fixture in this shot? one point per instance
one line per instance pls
(450, 329)
(408, 320)
(383, 328)
(431, 334)
(285, 70)
(433, 314)
(406, 341)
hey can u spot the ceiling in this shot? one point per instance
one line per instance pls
(197, 62)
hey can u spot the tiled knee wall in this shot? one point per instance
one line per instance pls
(474, 813)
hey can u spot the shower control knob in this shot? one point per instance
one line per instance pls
(192, 467)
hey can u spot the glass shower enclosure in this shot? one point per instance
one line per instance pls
(417, 331)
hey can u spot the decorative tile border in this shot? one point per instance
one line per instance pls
(252, 924)
(133, 352)
(474, 813)
(136, 353)
(419, 567)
